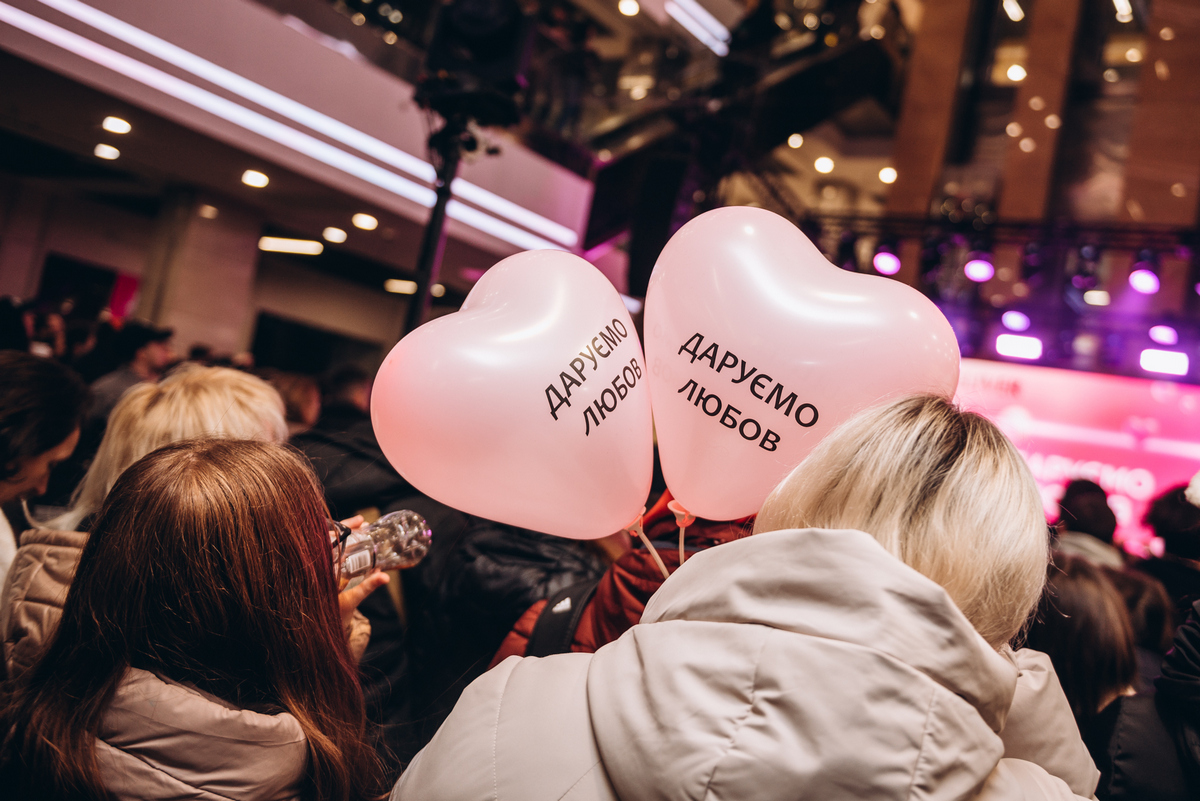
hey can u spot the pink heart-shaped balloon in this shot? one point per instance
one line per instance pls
(758, 347)
(528, 405)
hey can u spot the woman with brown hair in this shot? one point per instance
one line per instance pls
(200, 652)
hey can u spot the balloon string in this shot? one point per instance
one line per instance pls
(683, 519)
(650, 547)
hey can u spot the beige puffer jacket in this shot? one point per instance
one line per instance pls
(34, 592)
(162, 740)
(36, 587)
(800, 664)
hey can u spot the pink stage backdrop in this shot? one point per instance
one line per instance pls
(1135, 437)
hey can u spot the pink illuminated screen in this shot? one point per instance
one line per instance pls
(1135, 437)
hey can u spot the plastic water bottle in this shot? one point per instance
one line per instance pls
(393, 542)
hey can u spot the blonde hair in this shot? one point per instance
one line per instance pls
(942, 490)
(191, 402)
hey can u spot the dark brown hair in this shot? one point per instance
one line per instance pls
(41, 403)
(1083, 626)
(1151, 612)
(209, 563)
(1177, 521)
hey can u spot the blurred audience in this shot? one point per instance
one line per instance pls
(1148, 746)
(13, 334)
(1082, 625)
(1177, 522)
(143, 352)
(191, 402)
(219, 668)
(42, 405)
(301, 398)
(1086, 525)
(343, 449)
(1152, 618)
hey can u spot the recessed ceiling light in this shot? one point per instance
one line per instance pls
(107, 152)
(1016, 73)
(629, 8)
(335, 235)
(795, 141)
(255, 178)
(116, 125)
(888, 175)
(365, 222)
(437, 290)
(279, 244)
(824, 164)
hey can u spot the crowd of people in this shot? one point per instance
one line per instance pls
(897, 621)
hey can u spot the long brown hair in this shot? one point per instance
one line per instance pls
(209, 564)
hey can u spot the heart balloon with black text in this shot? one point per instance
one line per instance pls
(529, 405)
(758, 347)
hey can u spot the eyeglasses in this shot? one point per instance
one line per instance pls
(338, 534)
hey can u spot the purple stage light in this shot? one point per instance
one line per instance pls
(886, 263)
(1168, 362)
(1197, 288)
(979, 270)
(1164, 335)
(1017, 347)
(1144, 281)
(1015, 320)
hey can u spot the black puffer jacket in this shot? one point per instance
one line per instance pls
(349, 462)
(1148, 747)
(462, 600)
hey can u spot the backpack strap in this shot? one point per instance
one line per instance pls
(555, 626)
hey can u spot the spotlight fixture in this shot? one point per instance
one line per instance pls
(629, 8)
(979, 268)
(1096, 297)
(888, 175)
(1144, 276)
(208, 212)
(1014, 320)
(823, 165)
(1016, 73)
(116, 125)
(365, 221)
(1167, 362)
(886, 263)
(106, 152)
(334, 235)
(437, 290)
(1019, 347)
(795, 141)
(255, 179)
(1164, 335)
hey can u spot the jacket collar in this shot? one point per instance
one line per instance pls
(843, 586)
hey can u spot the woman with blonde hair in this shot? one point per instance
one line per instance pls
(200, 652)
(191, 402)
(854, 647)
